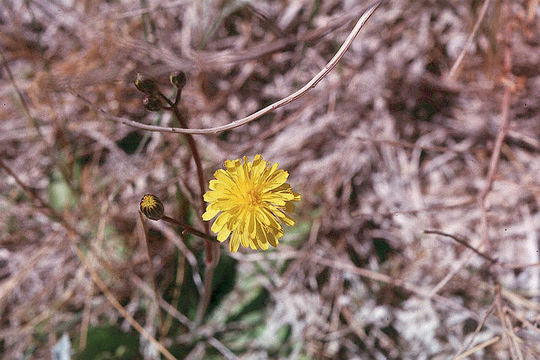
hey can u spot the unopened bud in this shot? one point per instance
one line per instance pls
(146, 85)
(152, 103)
(152, 207)
(178, 79)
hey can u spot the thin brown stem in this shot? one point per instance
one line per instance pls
(454, 71)
(438, 207)
(207, 291)
(200, 174)
(377, 276)
(150, 264)
(501, 135)
(188, 228)
(508, 333)
(177, 97)
(478, 347)
(22, 100)
(44, 207)
(462, 353)
(521, 266)
(409, 145)
(503, 130)
(211, 248)
(86, 317)
(462, 242)
(166, 99)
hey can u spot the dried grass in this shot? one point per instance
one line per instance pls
(383, 148)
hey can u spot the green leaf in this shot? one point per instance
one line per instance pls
(223, 282)
(59, 192)
(181, 351)
(110, 343)
(259, 302)
(189, 296)
(130, 142)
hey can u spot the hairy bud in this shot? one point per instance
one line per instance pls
(178, 79)
(152, 103)
(146, 85)
(152, 207)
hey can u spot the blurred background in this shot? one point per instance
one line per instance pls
(398, 139)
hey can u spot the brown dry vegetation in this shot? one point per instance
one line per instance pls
(390, 144)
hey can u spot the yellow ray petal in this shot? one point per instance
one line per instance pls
(210, 213)
(282, 216)
(223, 234)
(276, 180)
(244, 239)
(220, 222)
(234, 243)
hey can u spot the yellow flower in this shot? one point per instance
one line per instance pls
(152, 207)
(252, 199)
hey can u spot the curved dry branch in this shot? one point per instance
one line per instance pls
(297, 94)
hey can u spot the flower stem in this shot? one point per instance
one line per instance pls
(200, 174)
(211, 248)
(188, 228)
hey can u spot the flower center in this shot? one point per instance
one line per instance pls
(252, 198)
(148, 202)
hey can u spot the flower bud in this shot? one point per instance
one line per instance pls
(152, 207)
(178, 79)
(145, 84)
(152, 103)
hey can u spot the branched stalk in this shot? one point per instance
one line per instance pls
(211, 248)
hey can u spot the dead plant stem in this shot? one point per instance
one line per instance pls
(508, 332)
(376, 276)
(480, 253)
(462, 242)
(22, 100)
(86, 316)
(503, 130)
(179, 280)
(144, 237)
(463, 352)
(454, 71)
(478, 347)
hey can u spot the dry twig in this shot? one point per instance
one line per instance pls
(478, 347)
(454, 71)
(505, 123)
(464, 243)
(144, 238)
(509, 335)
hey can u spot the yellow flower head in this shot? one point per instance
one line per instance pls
(152, 207)
(252, 199)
